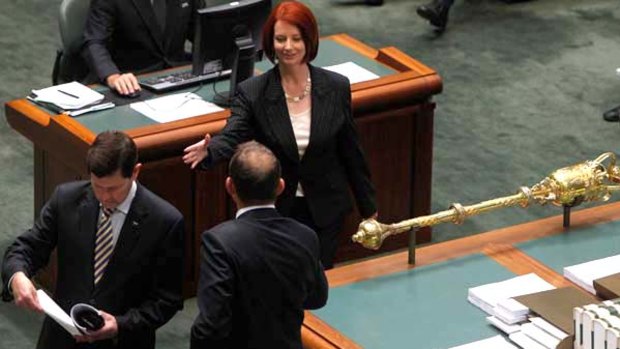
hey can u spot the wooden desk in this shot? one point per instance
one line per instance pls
(394, 114)
(517, 249)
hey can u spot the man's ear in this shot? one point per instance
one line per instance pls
(280, 187)
(230, 187)
(136, 171)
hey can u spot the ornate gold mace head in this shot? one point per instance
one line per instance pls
(591, 180)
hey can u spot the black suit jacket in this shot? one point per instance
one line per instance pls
(124, 36)
(257, 275)
(333, 161)
(142, 284)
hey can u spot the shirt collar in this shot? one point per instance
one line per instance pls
(254, 207)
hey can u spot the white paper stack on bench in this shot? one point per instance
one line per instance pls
(584, 274)
(504, 327)
(487, 297)
(497, 342)
(510, 311)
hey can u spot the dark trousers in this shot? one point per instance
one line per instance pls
(328, 235)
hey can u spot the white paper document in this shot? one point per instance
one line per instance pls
(497, 342)
(54, 311)
(353, 72)
(487, 297)
(175, 107)
(584, 274)
(69, 96)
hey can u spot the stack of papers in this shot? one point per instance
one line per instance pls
(584, 274)
(69, 96)
(510, 311)
(497, 342)
(487, 297)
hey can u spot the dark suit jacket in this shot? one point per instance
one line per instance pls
(257, 274)
(142, 284)
(124, 36)
(333, 161)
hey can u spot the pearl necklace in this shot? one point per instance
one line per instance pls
(297, 99)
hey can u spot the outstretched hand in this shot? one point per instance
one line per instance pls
(195, 153)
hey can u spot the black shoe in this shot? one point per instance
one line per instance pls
(373, 2)
(612, 115)
(435, 13)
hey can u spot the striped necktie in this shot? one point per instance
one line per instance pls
(104, 242)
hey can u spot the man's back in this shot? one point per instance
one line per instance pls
(258, 273)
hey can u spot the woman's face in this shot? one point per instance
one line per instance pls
(288, 44)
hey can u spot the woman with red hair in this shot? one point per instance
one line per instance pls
(302, 113)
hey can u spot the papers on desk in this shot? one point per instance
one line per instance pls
(497, 342)
(584, 274)
(175, 107)
(54, 311)
(69, 96)
(487, 297)
(353, 72)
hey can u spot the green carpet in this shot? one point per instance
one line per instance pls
(524, 88)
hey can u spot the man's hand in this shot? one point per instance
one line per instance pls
(123, 83)
(24, 293)
(195, 153)
(109, 330)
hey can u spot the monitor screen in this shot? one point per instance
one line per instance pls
(217, 29)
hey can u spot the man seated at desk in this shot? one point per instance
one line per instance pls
(127, 37)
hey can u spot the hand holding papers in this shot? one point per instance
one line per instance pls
(175, 107)
(84, 318)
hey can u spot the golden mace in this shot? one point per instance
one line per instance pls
(590, 180)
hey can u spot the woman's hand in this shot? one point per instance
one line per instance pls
(195, 153)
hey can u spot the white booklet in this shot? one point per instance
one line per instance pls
(54, 311)
(69, 96)
(84, 317)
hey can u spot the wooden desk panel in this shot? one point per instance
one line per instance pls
(394, 114)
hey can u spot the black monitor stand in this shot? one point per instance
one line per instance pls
(243, 67)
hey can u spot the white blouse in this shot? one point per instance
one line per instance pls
(301, 128)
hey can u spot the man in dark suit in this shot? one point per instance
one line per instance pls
(119, 248)
(126, 37)
(260, 271)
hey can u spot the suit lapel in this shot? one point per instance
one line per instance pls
(88, 211)
(278, 117)
(145, 10)
(323, 104)
(127, 239)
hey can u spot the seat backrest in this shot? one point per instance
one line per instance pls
(72, 20)
(69, 64)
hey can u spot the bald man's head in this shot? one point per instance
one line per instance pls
(255, 172)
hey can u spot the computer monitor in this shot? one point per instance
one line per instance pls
(228, 40)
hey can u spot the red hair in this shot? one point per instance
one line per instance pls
(298, 15)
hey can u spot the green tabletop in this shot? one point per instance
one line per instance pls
(424, 308)
(125, 118)
(577, 245)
